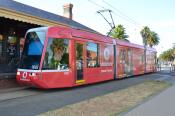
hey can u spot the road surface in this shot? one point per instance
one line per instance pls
(31, 101)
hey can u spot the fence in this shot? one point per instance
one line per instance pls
(170, 68)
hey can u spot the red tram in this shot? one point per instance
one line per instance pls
(57, 57)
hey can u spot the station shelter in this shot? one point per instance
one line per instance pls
(15, 19)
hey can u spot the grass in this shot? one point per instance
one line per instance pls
(112, 104)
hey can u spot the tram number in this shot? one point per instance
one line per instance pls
(34, 66)
(66, 73)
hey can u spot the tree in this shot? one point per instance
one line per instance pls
(173, 45)
(145, 33)
(119, 33)
(150, 38)
(167, 55)
(153, 39)
(173, 52)
(58, 48)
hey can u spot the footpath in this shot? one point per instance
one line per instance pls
(161, 105)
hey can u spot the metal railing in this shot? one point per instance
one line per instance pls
(166, 68)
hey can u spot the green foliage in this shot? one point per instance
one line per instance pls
(153, 39)
(168, 55)
(57, 44)
(145, 33)
(173, 45)
(119, 33)
(150, 38)
(79, 51)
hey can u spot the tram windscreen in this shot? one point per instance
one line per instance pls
(32, 52)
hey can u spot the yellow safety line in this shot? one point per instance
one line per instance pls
(80, 81)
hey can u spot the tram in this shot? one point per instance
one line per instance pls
(58, 57)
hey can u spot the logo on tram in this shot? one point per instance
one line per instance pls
(24, 75)
(106, 54)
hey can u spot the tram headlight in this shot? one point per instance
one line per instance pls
(18, 73)
(32, 74)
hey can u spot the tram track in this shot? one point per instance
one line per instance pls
(28, 91)
(17, 94)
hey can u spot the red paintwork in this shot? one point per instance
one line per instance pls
(137, 62)
(91, 75)
(150, 56)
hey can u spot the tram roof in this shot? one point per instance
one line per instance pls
(125, 43)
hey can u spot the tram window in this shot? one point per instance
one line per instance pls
(57, 56)
(143, 58)
(92, 55)
(121, 56)
(124, 56)
(35, 48)
(32, 52)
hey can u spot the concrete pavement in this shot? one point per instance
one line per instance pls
(160, 105)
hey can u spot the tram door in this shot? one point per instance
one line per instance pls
(79, 61)
(128, 62)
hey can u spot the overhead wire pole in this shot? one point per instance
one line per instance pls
(112, 22)
(104, 17)
(104, 9)
(111, 25)
(112, 18)
(117, 13)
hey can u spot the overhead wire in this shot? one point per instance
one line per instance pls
(112, 25)
(104, 9)
(96, 4)
(121, 12)
(118, 13)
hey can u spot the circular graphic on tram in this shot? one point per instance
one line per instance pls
(24, 75)
(106, 53)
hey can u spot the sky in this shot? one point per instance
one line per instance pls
(158, 15)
